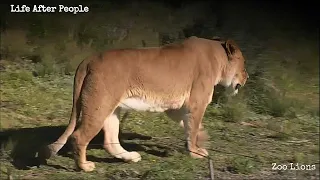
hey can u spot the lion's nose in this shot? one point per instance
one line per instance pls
(237, 86)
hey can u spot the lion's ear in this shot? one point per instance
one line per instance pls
(231, 47)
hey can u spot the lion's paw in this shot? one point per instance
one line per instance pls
(131, 156)
(135, 156)
(87, 166)
(199, 153)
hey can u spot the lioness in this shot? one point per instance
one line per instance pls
(177, 79)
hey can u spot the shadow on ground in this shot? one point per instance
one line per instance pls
(27, 143)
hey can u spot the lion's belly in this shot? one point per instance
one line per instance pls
(138, 104)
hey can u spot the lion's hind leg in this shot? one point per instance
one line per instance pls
(97, 104)
(89, 127)
(111, 139)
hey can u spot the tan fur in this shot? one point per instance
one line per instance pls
(177, 79)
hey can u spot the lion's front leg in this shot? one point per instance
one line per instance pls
(195, 135)
(183, 115)
(196, 105)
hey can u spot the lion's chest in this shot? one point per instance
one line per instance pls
(138, 104)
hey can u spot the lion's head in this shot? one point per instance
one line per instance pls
(234, 75)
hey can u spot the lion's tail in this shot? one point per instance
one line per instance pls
(81, 73)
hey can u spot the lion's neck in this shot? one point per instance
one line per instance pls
(227, 74)
(220, 71)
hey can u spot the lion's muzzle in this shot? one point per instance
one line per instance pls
(238, 86)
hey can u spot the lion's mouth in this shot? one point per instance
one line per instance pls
(238, 86)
